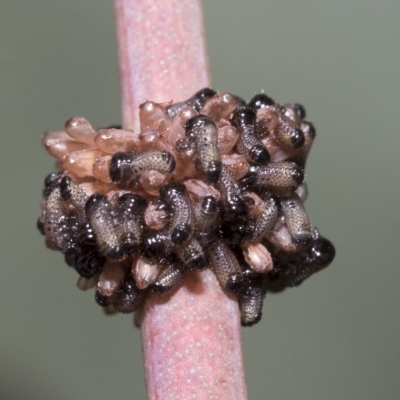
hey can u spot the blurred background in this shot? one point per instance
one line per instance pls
(334, 337)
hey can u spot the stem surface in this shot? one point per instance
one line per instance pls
(161, 52)
(191, 339)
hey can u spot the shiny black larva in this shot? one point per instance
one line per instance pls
(203, 132)
(200, 209)
(196, 102)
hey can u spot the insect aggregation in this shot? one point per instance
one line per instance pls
(210, 182)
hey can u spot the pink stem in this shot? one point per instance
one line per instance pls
(192, 346)
(162, 52)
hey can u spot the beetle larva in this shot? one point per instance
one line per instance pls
(207, 215)
(170, 276)
(296, 219)
(155, 243)
(249, 145)
(295, 111)
(56, 222)
(127, 298)
(98, 211)
(128, 221)
(191, 254)
(204, 133)
(287, 132)
(280, 178)
(251, 300)
(50, 182)
(267, 220)
(197, 102)
(74, 197)
(225, 265)
(130, 166)
(321, 253)
(181, 226)
(260, 100)
(232, 198)
(88, 262)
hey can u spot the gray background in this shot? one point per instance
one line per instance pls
(335, 337)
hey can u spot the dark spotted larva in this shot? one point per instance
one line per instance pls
(88, 263)
(130, 166)
(289, 135)
(292, 270)
(204, 133)
(250, 304)
(249, 145)
(74, 197)
(128, 221)
(98, 211)
(127, 298)
(207, 219)
(191, 254)
(51, 182)
(155, 243)
(267, 220)
(182, 223)
(280, 178)
(225, 265)
(260, 101)
(56, 223)
(170, 276)
(298, 109)
(196, 102)
(232, 198)
(296, 219)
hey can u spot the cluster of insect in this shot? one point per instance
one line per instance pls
(212, 181)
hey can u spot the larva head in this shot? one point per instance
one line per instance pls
(197, 122)
(322, 253)
(260, 101)
(51, 182)
(65, 188)
(244, 117)
(96, 202)
(308, 129)
(133, 203)
(120, 165)
(172, 190)
(202, 96)
(87, 264)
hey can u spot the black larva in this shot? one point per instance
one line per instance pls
(196, 102)
(225, 223)
(203, 132)
(249, 145)
(130, 166)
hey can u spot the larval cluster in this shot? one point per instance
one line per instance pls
(210, 182)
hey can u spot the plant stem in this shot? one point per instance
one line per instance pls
(161, 52)
(192, 338)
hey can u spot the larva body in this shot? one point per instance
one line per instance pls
(296, 219)
(249, 145)
(203, 132)
(128, 221)
(225, 265)
(130, 166)
(196, 102)
(98, 210)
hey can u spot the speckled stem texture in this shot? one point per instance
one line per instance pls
(192, 346)
(161, 52)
